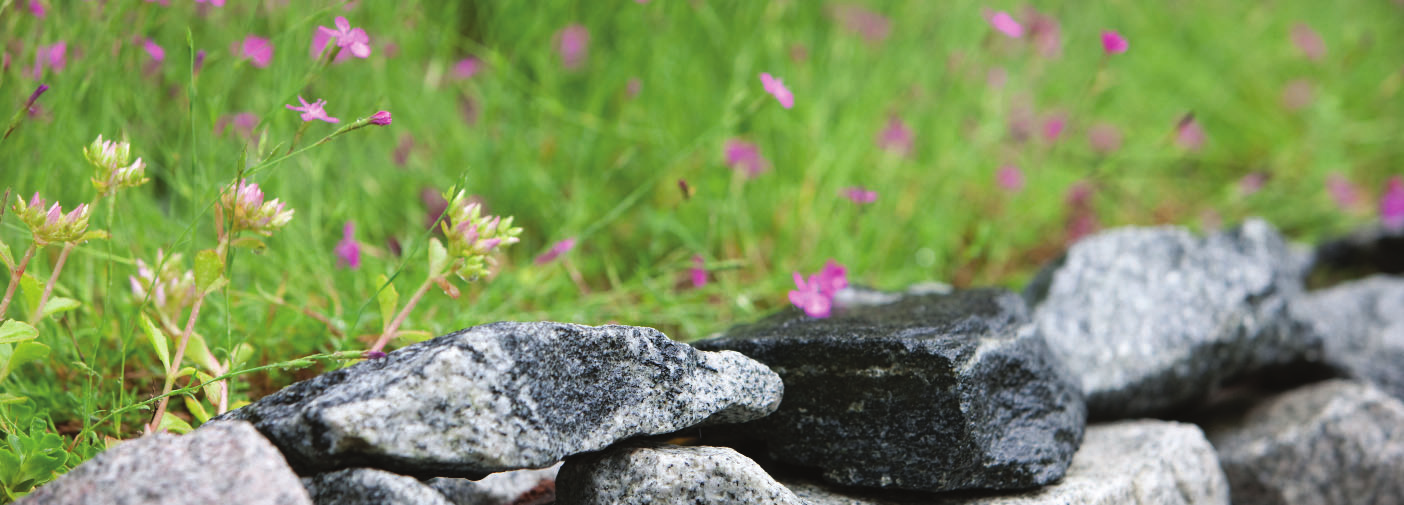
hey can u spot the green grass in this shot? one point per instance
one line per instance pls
(571, 154)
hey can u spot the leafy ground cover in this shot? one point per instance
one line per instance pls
(669, 163)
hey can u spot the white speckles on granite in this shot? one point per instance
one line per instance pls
(368, 486)
(222, 462)
(506, 396)
(662, 474)
(516, 487)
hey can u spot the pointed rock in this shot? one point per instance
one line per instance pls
(651, 473)
(507, 396)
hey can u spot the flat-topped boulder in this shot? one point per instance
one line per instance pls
(368, 486)
(1361, 325)
(507, 396)
(930, 392)
(1152, 319)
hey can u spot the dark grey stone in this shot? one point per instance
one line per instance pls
(1152, 319)
(1132, 462)
(368, 486)
(222, 462)
(649, 474)
(927, 392)
(1334, 442)
(1374, 249)
(507, 396)
(517, 487)
(1361, 324)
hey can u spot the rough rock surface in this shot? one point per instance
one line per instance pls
(226, 462)
(1361, 325)
(928, 392)
(648, 474)
(517, 487)
(1154, 318)
(1134, 462)
(368, 486)
(1335, 442)
(507, 396)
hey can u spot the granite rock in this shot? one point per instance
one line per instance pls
(1361, 325)
(1131, 462)
(928, 392)
(368, 486)
(221, 462)
(1153, 319)
(508, 396)
(1334, 442)
(517, 487)
(647, 474)
(1373, 249)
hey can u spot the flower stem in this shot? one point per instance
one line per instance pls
(49, 287)
(15, 276)
(394, 325)
(175, 362)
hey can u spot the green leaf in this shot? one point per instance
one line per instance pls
(31, 289)
(218, 283)
(208, 268)
(28, 351)
(16, 331)
(158, 341)
(7, 399)
(389, 300)
(412, 336)
(6, 257)
(438, 258)
(175, 424)
(200, 353)
(242, 354)
(94, 235)
(251, 243)
(211, 389)
(197, 409)
(59, 304)
(185, 371)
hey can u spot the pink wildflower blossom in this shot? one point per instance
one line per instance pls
(573, 45)
(1004, 23)
(157, 53)
(403, 149)
(746, 157)
(1044, 33)
(352, 40)
(1297, 95)
(348, 250)
(1113, 42)
(1308, 41)
(778, 90)
(896, 137)
(313, 110)
(54, 56)
(872, 26)
(1010, 178)
(808, 297)
(1342, 191)
(380, 118)
(216, 3)
(1104, 138)
(557, 249)
(258, 50)
(36, 8)
(244, 123)
(859, 195)
(698, 272)
(1392, 205)
(1053, 126)
(467, 68)
(1189, 135)
(1252, 182)
(832, 278)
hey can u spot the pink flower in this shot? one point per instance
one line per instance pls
(832, 278)
(1297, 94)
(1082, 218)
(1104, 138)
(1342, 191)
(1053, 126)
(778, 90)
(556, 251)
(1004, 23)
(244, 123)
(1010, 178)
(258, 50)
(313, 110)
(36, 8)
(350, 39)
(216, 3)
(467, 68)
(381, 118)
(698, 272)
(1188, 134)
(403, 149)
(1252, 182)
(573, 44)
(54, 55)
(1113, 42)
(633, 87)
(810, 298)
(896, 137)
(859, 195)
(1308, 41)
(745, 156)
(152, 48)
(872, 26)
(996, 78)
(1044, 33)
(1392, 205)
(348, 251)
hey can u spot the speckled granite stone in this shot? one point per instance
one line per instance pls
(517, 487)
(1154, 318)
(928, 392)
(507, 396)
(1133, 462)
(368, 486)
(1361, 324)
(659, 474)
(1330, 443)
(224, 462)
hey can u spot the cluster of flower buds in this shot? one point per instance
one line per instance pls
(243, 203)
(115, 170)
(171, 288)
(50, 225)
(473, 237)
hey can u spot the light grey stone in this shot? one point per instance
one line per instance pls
(1153, 319)
(368, 486)
(1124, 463)
(222, 462)
(1334, 442)
(508, 396)
(649, 474)
(1361, 324)
(516, 487)
(928, 392)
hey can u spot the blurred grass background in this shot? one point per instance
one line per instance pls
(576, 153)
